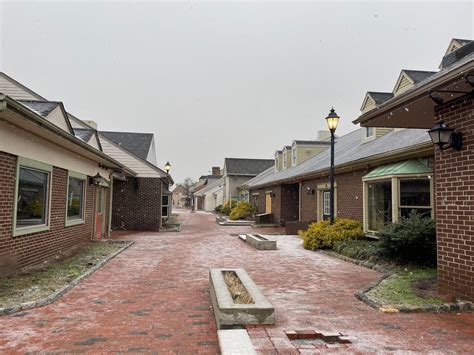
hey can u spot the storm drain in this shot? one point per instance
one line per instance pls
(318, 339)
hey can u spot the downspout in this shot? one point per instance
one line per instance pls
(299, 201)
(109, 226)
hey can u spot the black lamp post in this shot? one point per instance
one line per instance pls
(332, 120)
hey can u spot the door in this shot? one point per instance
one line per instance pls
(326, 204)
(100, 212)
(268, 202)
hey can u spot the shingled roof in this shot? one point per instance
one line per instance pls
(247, 167)
(137, 143)
(380, 97)
(42, 108)
(84, 133)
(350, 149)
(418, 75)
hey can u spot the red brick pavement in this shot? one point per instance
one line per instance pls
(154, 298)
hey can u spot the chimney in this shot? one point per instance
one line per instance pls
(323, 135)
(91, 123)
(216, 171)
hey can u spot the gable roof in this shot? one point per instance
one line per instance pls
(457, 54)
(418, 75)
(209, 188)
(84, 133)
(349, 149)
(380, 97)
(247, 167)
(258, 178)
(137, 143)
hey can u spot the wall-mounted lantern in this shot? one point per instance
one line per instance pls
(96, 180)
(445, 137)
(309, 190)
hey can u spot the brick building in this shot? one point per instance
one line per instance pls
(54, 186)
(447, 97)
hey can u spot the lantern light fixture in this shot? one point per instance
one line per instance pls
(445, 137)
(332, 120)
(167, 167)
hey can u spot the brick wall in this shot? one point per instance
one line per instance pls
(289, 203)
(454, 192)
(31, 249)
(137, 204)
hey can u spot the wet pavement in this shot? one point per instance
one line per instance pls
(154, 298)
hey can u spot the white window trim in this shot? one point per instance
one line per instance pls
(320, 188)
(167, 206)
(42, 167)
(76, 221)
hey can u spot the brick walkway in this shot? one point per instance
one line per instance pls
(153, 297)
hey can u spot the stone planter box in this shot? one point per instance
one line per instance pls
(260, 242)
(230, 315)
(264, 218)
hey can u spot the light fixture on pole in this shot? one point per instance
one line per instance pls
(168, 167)
(332, 120)
(445, 137)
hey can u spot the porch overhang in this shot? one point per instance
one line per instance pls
(414, 108)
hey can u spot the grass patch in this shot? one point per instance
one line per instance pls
(410, 287)
(172, 223)
(37, 284)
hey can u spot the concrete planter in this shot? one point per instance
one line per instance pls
(230, 315)
(260, 242)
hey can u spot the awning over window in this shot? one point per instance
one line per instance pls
(407, 167)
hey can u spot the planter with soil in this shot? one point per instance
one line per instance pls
(237, 301)
(259, 242)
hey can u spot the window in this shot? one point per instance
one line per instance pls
(293, 154)
(326, 203)
(165, 206)
(32, 197)
(379, 204)
(75, 199)
(415, 194)
(369, 132)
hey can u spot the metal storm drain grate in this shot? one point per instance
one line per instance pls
(310, 339)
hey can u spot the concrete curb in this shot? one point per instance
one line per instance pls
(235, 342)
(366, 264)
(55, 295)
(460, 306)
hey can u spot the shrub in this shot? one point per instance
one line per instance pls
(242, 210)
(412, 239)
(228, 206)
(322, 234)
(218, 209)
(361, 249)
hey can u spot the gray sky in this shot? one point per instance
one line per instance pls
(215, 80)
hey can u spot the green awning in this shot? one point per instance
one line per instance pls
(407, 167)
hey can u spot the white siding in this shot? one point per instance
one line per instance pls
(93, 142)
(141, 168)
(403, 84)
(368, 104)
(15, 91)
(57, 117)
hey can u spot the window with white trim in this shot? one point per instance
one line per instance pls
(32, 197)
(75, 199)
(326, 203)
(369, 132)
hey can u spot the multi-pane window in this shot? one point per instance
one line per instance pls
(32, 198)
(369, 132)
(75, 199)
(326, 203)
(415, 195)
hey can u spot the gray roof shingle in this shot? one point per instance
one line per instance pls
(418, 75)
(458, 54)
(380, 97)
(84, 133)
(247, 167)
(137, 143)
(42, 108)
(350, 149)
(312, 142)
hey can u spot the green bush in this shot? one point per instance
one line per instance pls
(322, 235)
(242, 210)
(412, 239)
(360, 249)
(218, 209)
(228, 206)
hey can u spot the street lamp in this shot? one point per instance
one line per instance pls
(332, 120)
(168, 167)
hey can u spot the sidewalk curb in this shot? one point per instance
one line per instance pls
(56, 294)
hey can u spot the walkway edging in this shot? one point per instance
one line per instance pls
(459, 306)
(56, 294)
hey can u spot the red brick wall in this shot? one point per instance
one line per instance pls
(454, 191)
(137, 204)
(349, 196)
(289, 203)
(31, 249)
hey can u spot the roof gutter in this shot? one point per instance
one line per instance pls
(419, 149)
(415, 94)
(40, 121)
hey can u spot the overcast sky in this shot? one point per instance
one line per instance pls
(215, 80)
